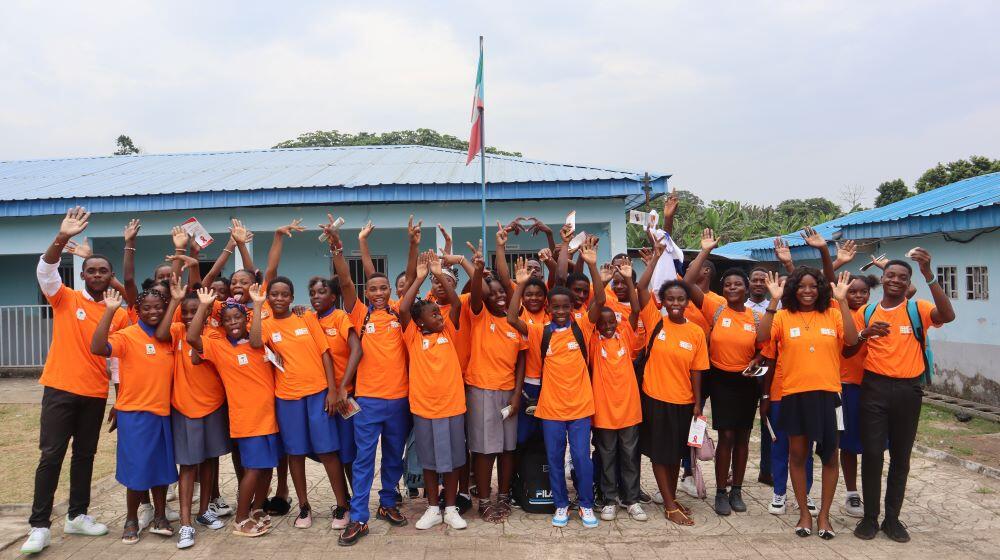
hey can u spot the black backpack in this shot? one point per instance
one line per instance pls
(639, 363)
(531, 486)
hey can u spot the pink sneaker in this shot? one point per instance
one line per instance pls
(340, 518)
(305, 518)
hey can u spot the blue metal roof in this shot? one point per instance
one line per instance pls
(965, 205)
(357, 174)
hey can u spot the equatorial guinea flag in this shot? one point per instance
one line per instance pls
(475, 139)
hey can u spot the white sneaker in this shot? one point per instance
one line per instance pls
(636, 512)
(209, 519)
(657, 497)
(145, 515)
(38, 539)
(561, 517)
(84, 525)
(588, 517)
(220, 507)
(170, 513)
(811, 506)
(172, 492)
(454, 519)
(687, 486)
(608, 512)
(777, 506)
(430, 518)
(853, 506)
(186, 538)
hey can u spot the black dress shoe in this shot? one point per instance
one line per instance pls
(895, 530)
(866, 529)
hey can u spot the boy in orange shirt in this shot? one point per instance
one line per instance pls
(566, 402)
(437, 397)
(145, 458)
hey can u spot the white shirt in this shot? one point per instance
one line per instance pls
(761, 307)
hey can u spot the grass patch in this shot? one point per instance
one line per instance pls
(977, 440)
(985, 490)
(19, 425)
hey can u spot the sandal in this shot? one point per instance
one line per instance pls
(130, 533)
(803, 531)
(277, 506)
(261, 517)
(504, 503)
(256, 531)
(684, 509)
(686, 520)
(489, 511)
(161, 526)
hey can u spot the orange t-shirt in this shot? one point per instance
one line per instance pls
(463, 342)
(770, 351)
(678, 350)
(733, 338)
(70, 366)
(616, 390)
(145, 370)
(898, 354)
(198, 389)
(337, 327)
(533, 358)
(852, 370)
(382, 371)
(495, 345)
(809, 345)
(301, 343)
(436, 386)
(249, 381)
(566, 390)
(622, 311)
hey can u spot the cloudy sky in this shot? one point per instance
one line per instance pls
(758, 101)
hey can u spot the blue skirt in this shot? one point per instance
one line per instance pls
(850, 438)
(306, 428)
(259, 452)
(145, 451)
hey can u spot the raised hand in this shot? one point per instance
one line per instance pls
(112, 298)
(813, 238)
(501, 235)
(413, 230)
(81, 249)
(422, 265)
(76, 220)
(625, 268)
(846, 251)
(332, 234)
(588, 250)
(538, 226)
(840, 288)
(607, 273)
(132, 230)
(366, 230)
(180, 237)
(206, 296)
(477, 252)
(238, 232)
(923, 259)
(434, 263)
(447, 240)
(708, 240)
(670, 203)
(880, 261)
(187, 261)
(521, 273)
(566, 233)
(257, 294)
(295, 226)
(646, 254)
(875, 330)
(781, 250)
(775, 285)
(177, 291)
(299, 310)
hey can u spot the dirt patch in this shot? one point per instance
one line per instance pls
(976, 440)
(19, 455)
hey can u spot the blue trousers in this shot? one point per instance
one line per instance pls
(779, 455)
(555, 433)
(390, 419)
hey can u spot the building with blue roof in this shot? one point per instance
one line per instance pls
(268, 188)
(960, 225)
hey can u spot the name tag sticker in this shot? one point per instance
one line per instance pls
(905, 329)
(748, 327)
(442, 340)
(828, 332)
(621, 352)
(618, 316)
(242, 359)
(512, 335)
(661, 336)
(493, 327)
(370, 328)
(685, 345)
(302, 331)
(573, 345)
(150, 349)
(331, 332)
(276, 337)
(604, 353)
(426, 344)
(394, 324)
(794, 332)
(727, 322)
(81, 314)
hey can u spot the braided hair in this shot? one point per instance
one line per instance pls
(233, 303)
(150, 292)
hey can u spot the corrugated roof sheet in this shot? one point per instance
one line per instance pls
(348, 167)
(961, 206)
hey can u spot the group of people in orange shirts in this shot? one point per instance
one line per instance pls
(590, 357)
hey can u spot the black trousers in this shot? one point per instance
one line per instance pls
(66, 416)
(617, 474)
(890, 410)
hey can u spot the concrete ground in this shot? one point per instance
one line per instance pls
(951, 513)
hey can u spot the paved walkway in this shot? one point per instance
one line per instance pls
(952, 513)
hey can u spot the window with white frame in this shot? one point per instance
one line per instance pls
(977, 282)
(947, 277)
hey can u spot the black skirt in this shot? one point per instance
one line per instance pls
(812, 414)
(664, 430)
(734, 400)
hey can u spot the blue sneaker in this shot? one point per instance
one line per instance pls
(588, 517)
(561, 517)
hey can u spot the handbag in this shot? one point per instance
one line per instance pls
(707, 450)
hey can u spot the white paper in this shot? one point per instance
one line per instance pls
(197, 232)
(578, 240)
(652, 220)
(638, 218)
(353, 408)
(274, 359)
(505, 412)
(770, 430)
(571, 220)
(840, 418)
(696, 434)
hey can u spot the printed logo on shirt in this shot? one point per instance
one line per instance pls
(301, 332)
(578, 315)
(242, 359)
(618, 316)
(493, 327)
(214, 322)
(512, 335)
(685, 345)
(442, 340)
(604, 353)
(621, 352)
(276, 337)
(393, 324)
(80, 313)
(331, 332)
(370, 328)
(425, 344)
(661, 336)
(572, 345)
(150, 350)
(905, 329)
(727, 322)
(828, 332)
(795, 332)
(748, 327)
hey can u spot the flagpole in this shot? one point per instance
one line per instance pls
(482, 148)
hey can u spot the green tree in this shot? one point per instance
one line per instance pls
(891, 191)
(125, 146)
(945, 174)
(418, 137)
